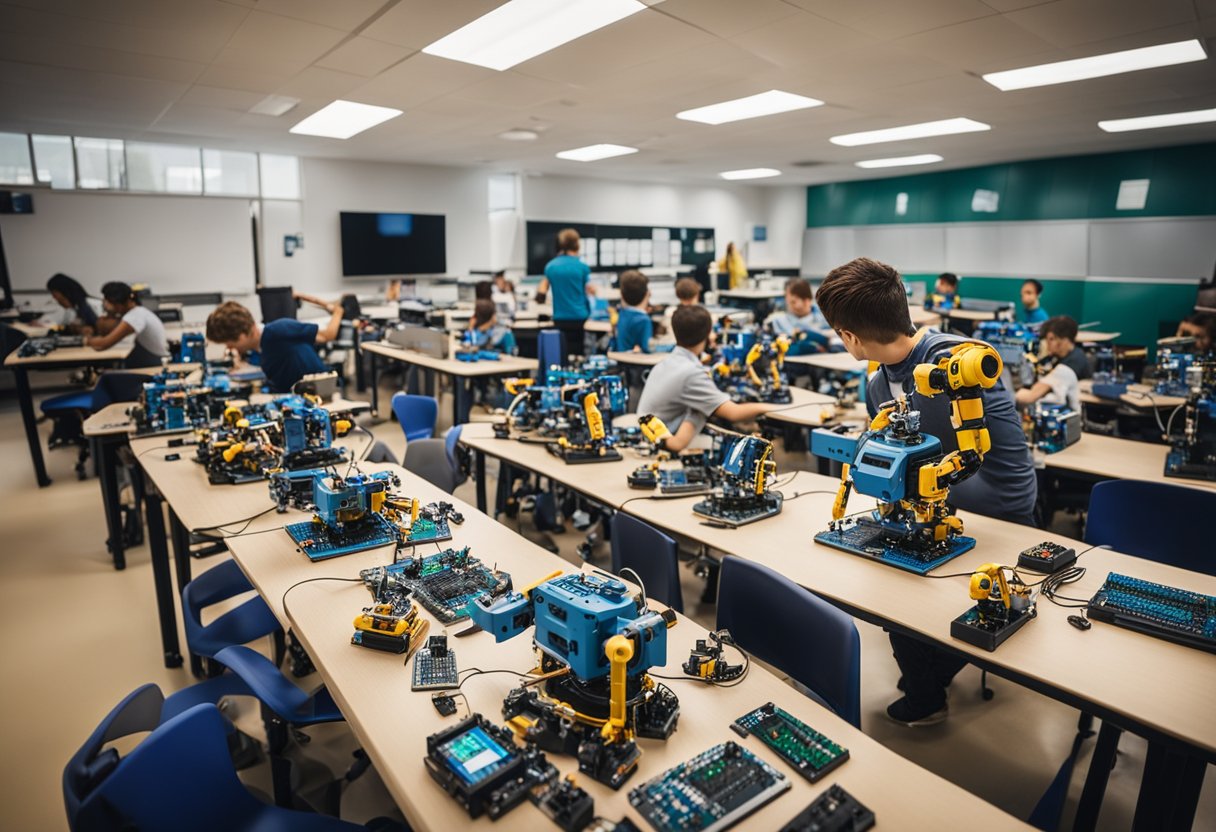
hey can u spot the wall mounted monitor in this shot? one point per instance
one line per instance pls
(393, 244)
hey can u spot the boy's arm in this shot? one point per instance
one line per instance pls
(679, 440)
(329, 332)
(104, 342)
(736, 412)
(542, 290)
(1030, 395)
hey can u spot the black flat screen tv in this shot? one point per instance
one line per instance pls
(388, 244)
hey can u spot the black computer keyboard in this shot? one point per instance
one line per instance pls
(1155, 609)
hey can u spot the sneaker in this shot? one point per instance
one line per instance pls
(903, 712)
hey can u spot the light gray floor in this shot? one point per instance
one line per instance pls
(76, 636)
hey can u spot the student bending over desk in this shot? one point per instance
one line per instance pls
(801, 321)
(151, 345)
(287, 346)
(866, 303)
(1067, 363)
(1202, 327)
(679, 390)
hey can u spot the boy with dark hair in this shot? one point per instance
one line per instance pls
(865, 302)
(570, 279)
(1032, 312)
(1202, 327)
(1068, 366)
(288, 347)
(945, 292)
(120, 303)
(688, 291)
(485, 323)
(679, 390)
(633, 326)
(1059, 337)
(801, 321)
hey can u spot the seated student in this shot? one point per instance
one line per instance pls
(1202, 327)
(1068, 365)
(866, 304)
(945, 292)
(151, 345)
(1031, 312)
(634, 328)
(79, 310)
(801, 321)
(287, 346)
(679, 390)
(485, 322)
(688, 291)
(503, 295)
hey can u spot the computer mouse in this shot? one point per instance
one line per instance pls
(1080, 622)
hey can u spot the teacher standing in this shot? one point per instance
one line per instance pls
(570, 279)
(733, 266)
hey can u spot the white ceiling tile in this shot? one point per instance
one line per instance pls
(978, 45)
(1074, 22)
(364, 56)
(277, 43)
(39, 50)
(346, 15)
(797, 40)
(511, 89)
(321, 83)
(726, 18)
(419, 78)
(888, 19)
(201, 95)
(419, 23)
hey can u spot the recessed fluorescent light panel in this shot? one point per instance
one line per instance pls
(1098, 66)
(750, 173)
(595, 152)
(1122, 125)
(944, 127)
(523, 29)
(753, 106)
(343, 119)
(900, 161)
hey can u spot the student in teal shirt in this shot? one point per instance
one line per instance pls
(569, 277)
(1032, 312)
(633, 327)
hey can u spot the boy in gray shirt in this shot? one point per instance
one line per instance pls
(679, 390)
(865, 302)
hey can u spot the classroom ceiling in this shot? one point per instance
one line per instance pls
(189, 71)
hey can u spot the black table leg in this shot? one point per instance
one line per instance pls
(26, 399)
(158, 545)
(360, 379)
(479, 472)
(1095, 781)
(181, 557)
(460, 404)
(105, 450)
(1169, 789)
(375, 385)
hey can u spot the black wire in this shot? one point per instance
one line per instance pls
(246, 520)
(475, 671)
(283, 600)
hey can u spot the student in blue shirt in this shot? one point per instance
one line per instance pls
(865, 302)
(945, 292)
(634, 328)
(1032, 312)
(491, 335)
(569, 278)
(801, 322)
(287, 346)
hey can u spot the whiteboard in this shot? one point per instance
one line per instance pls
(907, 248)
(1152, 248)
(823, 249)
(1022, 249)
(173, 243)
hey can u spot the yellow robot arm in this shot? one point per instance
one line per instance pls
(653, 429)
(753, 355)
(514, 386)
(842, 493)
(595, 419)
(984, 579)
(619, 651)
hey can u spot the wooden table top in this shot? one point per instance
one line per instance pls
(1093, 666)
(837, 361)
(72, 356)
(923, 317)
(1119, 459)
(1087, 337)
(392, 722)
(751, 294)
(504, 366)
(1140, 396)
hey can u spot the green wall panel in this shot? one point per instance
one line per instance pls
(1138, 310)
(1074, 187)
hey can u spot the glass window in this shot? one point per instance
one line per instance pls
(100, 163)
(15, 167)
(230, 173)
(53, 161)
(164, 168)
(280, 176)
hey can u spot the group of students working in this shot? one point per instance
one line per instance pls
(118, 315)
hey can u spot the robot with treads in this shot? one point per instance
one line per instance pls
(907, 471)
(596, 643)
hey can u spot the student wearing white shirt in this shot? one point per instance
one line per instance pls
(1061, 384)
(151, 345)
(503, 295)
(79, 311)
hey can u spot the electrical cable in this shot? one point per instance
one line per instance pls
(283, 600)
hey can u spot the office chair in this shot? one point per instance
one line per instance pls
(455, 454)
(796, 631)
(276, 302)
(248, 622)
(416, 415)
(649, 553)
(179, 777)
(68, 411)
(550, 351)
(428, 459)
(1117, 512)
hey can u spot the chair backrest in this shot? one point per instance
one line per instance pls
(417, 415)
(90, 765)
(796, 631)
(276, 302)
(451, 440)
(1177, 535)
(428, 459)
(550, 350)
(651, 554)
(118, 387)
(180, 777)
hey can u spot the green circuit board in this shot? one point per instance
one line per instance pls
(808, 751)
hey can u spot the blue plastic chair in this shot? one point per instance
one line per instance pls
(550, 350)
(179, 777)
(417, 415)
(248, 622)
(117, 387)
(428, 459)
(451, 440)
(651, 554)
(1117, 512)
(796, 631)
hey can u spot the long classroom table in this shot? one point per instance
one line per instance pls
(1108, 457)
(391, 722)
(1153, 688)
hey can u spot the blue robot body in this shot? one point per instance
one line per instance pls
(886, 468)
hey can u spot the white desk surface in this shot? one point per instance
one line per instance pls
(504, 366)
(1087, 337)
(72, 356)
(1140, 396)
(837, 361)
(1119, 459)
(923, 317)
(751, 294)
(392, 722)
